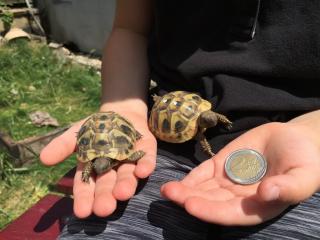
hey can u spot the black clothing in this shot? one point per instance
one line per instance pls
(256, 61)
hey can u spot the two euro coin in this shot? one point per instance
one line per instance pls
(245, 166)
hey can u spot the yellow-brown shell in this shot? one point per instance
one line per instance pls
(106, 134)
(174, 116)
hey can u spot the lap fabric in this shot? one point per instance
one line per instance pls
(149, 216)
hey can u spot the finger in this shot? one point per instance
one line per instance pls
(199, 174)
(176, 192)
(146, 165)
(104, 201)
(179, 193)
(60, 147)
(233, 212)
(83, 194)
(126, 182)
(292, 187)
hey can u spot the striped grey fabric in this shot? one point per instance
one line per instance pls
(298, 222)
(148, 216)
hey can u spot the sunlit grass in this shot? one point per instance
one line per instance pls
(32, 78)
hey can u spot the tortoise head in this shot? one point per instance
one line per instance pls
(102, 165)
(207, 119)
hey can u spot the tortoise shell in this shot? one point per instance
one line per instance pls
(106, 134)
(174, 116)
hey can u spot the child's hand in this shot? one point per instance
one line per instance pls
(101, 194)
(292, 176)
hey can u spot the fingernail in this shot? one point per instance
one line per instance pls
(274, 193)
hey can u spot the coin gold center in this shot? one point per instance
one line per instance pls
(245, 166)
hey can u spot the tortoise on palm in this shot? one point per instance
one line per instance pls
(180, 116)
(104, 141)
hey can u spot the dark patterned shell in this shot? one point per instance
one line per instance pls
(174, 116)
(105, 134)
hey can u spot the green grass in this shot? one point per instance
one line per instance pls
(32, 78)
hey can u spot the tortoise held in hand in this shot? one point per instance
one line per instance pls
(180, 116)
(105, 140)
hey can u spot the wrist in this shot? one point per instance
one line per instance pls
(135, 106)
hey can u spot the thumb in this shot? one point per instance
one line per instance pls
(292, 187)
(60, 147)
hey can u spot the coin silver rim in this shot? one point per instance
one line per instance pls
(249, 181)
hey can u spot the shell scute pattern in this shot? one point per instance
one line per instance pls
(106, 135)
(174, 116)
(163, 104)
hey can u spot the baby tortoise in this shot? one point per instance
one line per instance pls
(180, 116)
(104, 141)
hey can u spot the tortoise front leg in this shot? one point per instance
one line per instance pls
(205, 144)
(87, 172)
(136, 156)
(224, 120)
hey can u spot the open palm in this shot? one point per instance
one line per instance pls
(101, 194)
(292, 176)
